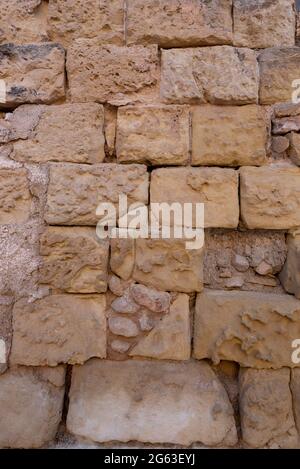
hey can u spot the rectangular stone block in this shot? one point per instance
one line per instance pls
(270, 197)
(294, 150)
(217, 75)
(74, 260)
(75, 191)
(33, 73)
(72, 19)
(15, 197)
(118, 75)
(155, 135)
(264, 23)
(229, 135)
(182, 23)
(59, 329)
(158, 395)
(215, 187)
(68, 132)
(290, 274)
(253, 329)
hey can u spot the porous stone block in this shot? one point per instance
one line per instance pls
(15, 196)
(290, 274)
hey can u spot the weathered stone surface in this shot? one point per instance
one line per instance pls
(125, 304)
(282, 126)
(253, 329)
(74, 260)
(279, 67)
(286, 109)
(6, 303)
(167, 265)
(101, 19)
(15, 197)
(280, 144)
(123, 326)
(294, 150)
(295, 389)
(31, 401)
(158, 395)
(171, 338)
(270, 197)
(122, 255)
(154, 300)
(266, 409)
(215, 187)
(155, 135)
(20, 123)
(290, 274)
(263, 23)
(33, 73)
(75, 191)
(68, 132)
(182, 23)
(118, 75)
(229, 136)
(59, 329)
(217, 75)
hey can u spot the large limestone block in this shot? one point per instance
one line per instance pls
(270, 197)
(169, 403)
(15, 197)
(33, 73)
(290, 274)
(279, 67)
(74, 260)
(155, 135)
(229, 135)
(180, 23)
(68, 132)
(118, 75)
(72, 19)
(294, 150)
(217, 75)
(75, 191)
(31, 402)
(59, 329)
(215, 187)
(250, 328)
(263, 23)
(266, 409)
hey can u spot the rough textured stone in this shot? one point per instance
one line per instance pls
(290, 275)
(6, 303)
(279, 67)
(167, 265)
(270, 197)
(31, 401)
(284, 125)
(216, 188)
(266, 409)
(294, 151)
(15, 197)
(118, 75)
(155, 135)
(123, 326)
(59, 329)
(68, 132)
(286, 109)
(295, 389)
(33, 73)
(155, 416)
(280, 144)
(253, 329)
(154, 300)
(122, 256)
(218, 75)
(229, 136)
(75, 191)
(180, 23)
(74, 260)
(72, 19)
(263, 23)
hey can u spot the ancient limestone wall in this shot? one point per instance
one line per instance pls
(145, 341)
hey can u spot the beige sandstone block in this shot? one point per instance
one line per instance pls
(33, 73)
(72, 19)
(15, 197)
(68, 132)
(229, 136)
(75, 191)
(159, 396)
(122, 257)
(180, 23)
(74, 260)
(263, 23)
(250, 328)
(215, 187)
(31, 402)
(266, 409)
(270, 197)
(118, 75)
(217, 75)
(290, 274)
(59, 329)
(294, 150)
(155, 135)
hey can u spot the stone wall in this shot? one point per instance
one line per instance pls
(144, 341)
